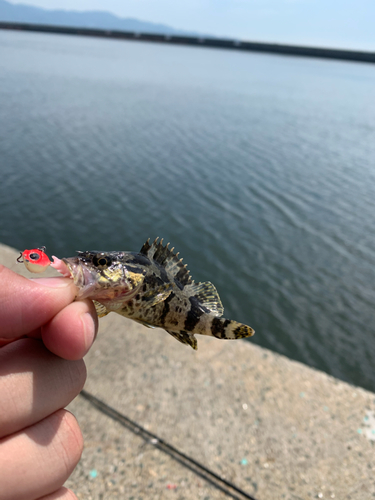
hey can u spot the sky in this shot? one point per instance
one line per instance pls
(334, 23)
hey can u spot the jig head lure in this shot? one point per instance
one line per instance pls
(35, 260)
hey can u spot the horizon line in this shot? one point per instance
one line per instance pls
(201, 41)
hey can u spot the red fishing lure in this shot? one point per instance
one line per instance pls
(35, 260)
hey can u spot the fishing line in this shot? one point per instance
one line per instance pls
(214, 479)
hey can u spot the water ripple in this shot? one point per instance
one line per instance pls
(262, 179)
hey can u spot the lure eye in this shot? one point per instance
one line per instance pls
(34, 256)
(102, 261)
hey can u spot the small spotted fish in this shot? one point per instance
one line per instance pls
(154, 288)
(35, 260)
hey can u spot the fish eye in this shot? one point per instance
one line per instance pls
(34, 256)
(102, 261)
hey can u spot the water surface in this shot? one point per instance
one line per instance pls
(259, 169)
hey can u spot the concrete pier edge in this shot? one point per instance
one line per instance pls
(275, 428)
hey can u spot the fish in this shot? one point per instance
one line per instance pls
(154, 288)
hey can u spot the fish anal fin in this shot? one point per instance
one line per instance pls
(156, 295)
(207, 295)
(143, 323)
(167, 258)
(185, 338)
(101, 310)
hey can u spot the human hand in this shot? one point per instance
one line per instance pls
(43, 337)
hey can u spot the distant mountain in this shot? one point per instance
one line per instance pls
(90, 19)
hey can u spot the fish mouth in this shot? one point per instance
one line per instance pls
(83, 278)
(89, 284)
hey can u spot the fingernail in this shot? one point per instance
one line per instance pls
(89, 329)
(52, 282)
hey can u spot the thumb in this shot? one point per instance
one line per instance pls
(26, 305)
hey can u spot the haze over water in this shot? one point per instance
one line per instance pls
(259, 169)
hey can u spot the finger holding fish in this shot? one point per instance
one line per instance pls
(72, 331)
(27, 304)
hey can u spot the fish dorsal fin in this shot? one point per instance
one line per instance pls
(207, 295)
(166, 257)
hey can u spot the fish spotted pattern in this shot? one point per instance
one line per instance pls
(154, 288)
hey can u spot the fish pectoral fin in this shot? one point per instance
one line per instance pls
(156, 295)
(185, 338)
(101, 310)
(207, 295)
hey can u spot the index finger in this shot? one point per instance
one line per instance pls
(26, 305)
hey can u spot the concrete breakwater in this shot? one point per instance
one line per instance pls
(272, 427)
(221, 43)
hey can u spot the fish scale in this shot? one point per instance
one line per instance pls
(154, 288)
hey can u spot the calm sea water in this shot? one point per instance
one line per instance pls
(259, 169)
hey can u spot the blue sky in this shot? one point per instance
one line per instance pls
(336, 23)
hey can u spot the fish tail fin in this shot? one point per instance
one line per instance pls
(222, 328)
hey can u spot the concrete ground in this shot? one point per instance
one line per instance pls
(273, 427)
